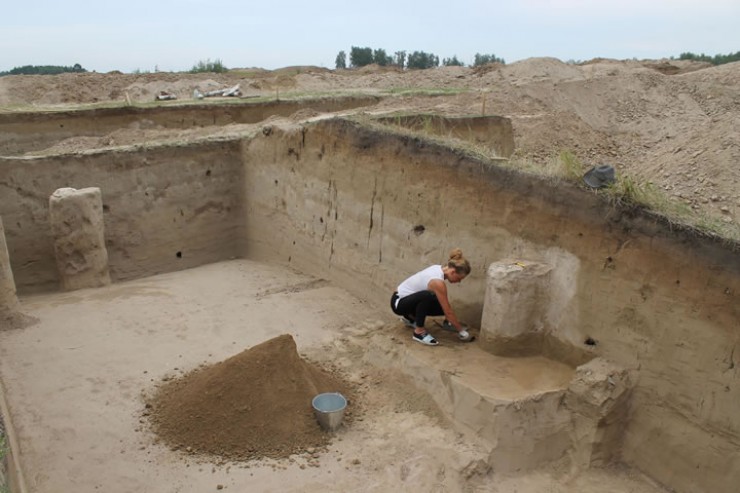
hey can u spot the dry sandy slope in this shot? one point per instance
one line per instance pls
(674, 123)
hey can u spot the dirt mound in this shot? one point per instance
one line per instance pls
(253, 405)
(542, 68)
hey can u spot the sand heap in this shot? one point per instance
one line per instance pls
(253, 405)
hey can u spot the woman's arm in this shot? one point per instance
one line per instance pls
(440, 289)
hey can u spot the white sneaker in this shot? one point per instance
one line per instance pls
(425, 338)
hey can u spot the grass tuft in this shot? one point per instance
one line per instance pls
(570, 167)
(628, 192)
(4, 488)
(204, 66)
(421, 91)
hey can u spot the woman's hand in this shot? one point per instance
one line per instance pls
(439, 288)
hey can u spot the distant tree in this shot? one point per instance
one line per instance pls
(399, 59)
(341, 60)
(44, 70)
(422, 60)
(696, 58)
(204, 66)
(714, 60)
(729, 58)
(359, 57)
(448, 62)
(486, 59)
(381, 58)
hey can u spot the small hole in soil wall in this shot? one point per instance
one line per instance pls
(589, 342)
(208, 172)
(178, 255)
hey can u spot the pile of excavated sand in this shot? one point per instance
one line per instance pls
(254, 405)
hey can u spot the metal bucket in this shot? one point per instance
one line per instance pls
(329, 409)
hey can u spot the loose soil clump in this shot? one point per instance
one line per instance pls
(254, 405)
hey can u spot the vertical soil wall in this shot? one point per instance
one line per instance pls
(366, 209)
(165, 208)
(492, 132)
(33, 131)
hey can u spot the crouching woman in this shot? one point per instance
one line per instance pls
(424, 294)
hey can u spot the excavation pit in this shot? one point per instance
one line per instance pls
(77, 381)
(330, 213)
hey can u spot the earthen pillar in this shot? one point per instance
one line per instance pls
(515, 306)
(76, 218)
(8, 299)
(598, 396)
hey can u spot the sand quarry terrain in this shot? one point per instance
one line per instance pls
(672, 123)
(195, 378)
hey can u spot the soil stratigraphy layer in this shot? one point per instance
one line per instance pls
(253, 405)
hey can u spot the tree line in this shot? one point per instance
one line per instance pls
(714, 60)
(362, 56)
(44, 70)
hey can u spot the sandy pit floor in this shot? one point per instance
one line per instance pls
(76, 384)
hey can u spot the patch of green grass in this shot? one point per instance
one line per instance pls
(570, 167)
(249, 72)
(136, 104)
(4, 488)
(208, 66)
(562, 166)
(426, 91)
(3, 446)
(301, 95)
(629, 192)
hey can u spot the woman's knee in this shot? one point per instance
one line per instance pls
(394, 303)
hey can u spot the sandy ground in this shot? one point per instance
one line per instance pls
(76, 383)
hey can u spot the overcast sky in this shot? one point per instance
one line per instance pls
(174, 35)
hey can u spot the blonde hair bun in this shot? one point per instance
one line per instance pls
(456, 254)
(458, 262)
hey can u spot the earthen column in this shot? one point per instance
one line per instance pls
(8, 299)
(598, 396)
(76, 218)
(515, 306)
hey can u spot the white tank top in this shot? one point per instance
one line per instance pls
(420, 281)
